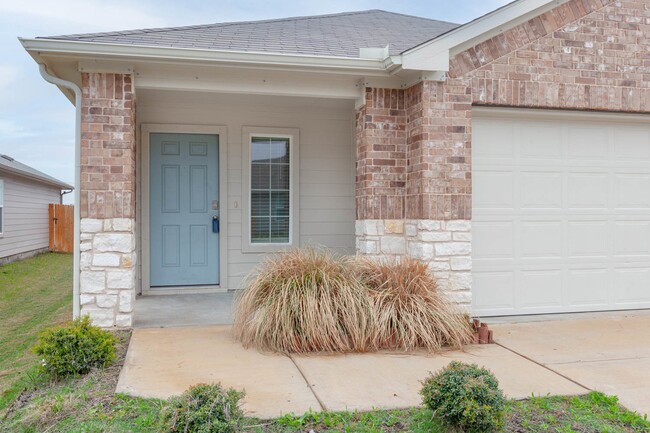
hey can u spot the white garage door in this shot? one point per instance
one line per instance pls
(561, 212)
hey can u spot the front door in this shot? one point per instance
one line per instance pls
(184, 201)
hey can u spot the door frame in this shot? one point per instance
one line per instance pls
(145, 246)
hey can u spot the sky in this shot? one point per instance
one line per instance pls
(37, 121)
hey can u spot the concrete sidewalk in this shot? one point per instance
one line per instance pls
(609, 352)
(164, 362)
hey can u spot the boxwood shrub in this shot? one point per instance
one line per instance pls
(465, 396)
(75, 348)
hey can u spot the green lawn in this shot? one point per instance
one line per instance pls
(34, 293)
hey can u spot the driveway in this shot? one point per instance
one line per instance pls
(607, 352)
(558, 357)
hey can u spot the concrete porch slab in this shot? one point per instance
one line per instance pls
(164, 362)
(367, 381)
(609, 352)
(194, 309)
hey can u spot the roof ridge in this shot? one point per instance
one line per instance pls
(232, 23)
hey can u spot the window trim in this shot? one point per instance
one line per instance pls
(248, 132)
(2, 207)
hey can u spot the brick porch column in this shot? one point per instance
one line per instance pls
(108, 258)
(414, 179)
(439, 186)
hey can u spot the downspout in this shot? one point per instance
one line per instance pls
(77, 181)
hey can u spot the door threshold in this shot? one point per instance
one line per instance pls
(183, 290)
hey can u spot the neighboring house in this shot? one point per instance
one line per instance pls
(512, 152)
(25, 194)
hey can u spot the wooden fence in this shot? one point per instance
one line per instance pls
(61, 228)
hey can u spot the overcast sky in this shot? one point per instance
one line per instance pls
(37, 121)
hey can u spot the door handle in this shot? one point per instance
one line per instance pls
(215, 224)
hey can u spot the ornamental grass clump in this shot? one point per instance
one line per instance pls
(410, 312)
(305, 300)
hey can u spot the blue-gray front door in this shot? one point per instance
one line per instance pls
(184, 199)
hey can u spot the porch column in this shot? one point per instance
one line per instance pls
(413, 186)
(439, 187)
(381, 173)
(108, 254)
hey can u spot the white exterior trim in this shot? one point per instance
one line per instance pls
(146, 130)
(293, 134)
(77, 49)
(2, 206)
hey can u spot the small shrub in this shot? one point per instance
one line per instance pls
(305, 300)
(465, 396)
(204, 409)
(410, 311)
(75, 348)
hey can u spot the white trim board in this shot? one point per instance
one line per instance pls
(146, 130)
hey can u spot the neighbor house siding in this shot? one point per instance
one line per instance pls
(26, 223)
(327, 207)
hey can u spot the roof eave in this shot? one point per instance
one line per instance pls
(52, 182)
(103, 50)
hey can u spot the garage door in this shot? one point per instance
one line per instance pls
(561, 212)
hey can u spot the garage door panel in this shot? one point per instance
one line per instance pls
(587, 190)
(587, 239)
(587, 144)
(588, 287)
(572, 230)
(632, 285)
(540, 239)
(496, 189)
(540, 189)
(631, 143)
(500, 290)
(494, 239)
(628, 186)
(540, 288)
(539, 141)
(632, 238)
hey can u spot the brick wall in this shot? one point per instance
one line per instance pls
(107, 146)
(381, 155)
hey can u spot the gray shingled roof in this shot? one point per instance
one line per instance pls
(338, 35)
(8, 164)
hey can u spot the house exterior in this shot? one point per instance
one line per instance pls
(25, 194)
(511, 153)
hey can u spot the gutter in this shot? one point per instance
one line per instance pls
(76, 308)
(184, 55)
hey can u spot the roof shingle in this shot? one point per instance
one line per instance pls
(339, 35)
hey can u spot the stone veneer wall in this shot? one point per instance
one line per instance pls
(108, 252)
(108, 270)
(445, 245)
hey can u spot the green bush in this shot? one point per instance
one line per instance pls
(465, 396)
(204, 409)
(75, 348)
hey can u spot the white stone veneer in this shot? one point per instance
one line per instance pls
(108, 274)
(445, 245)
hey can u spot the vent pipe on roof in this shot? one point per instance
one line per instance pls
(77, 178)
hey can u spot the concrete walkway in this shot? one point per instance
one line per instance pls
(606, 352)
(166, 361)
